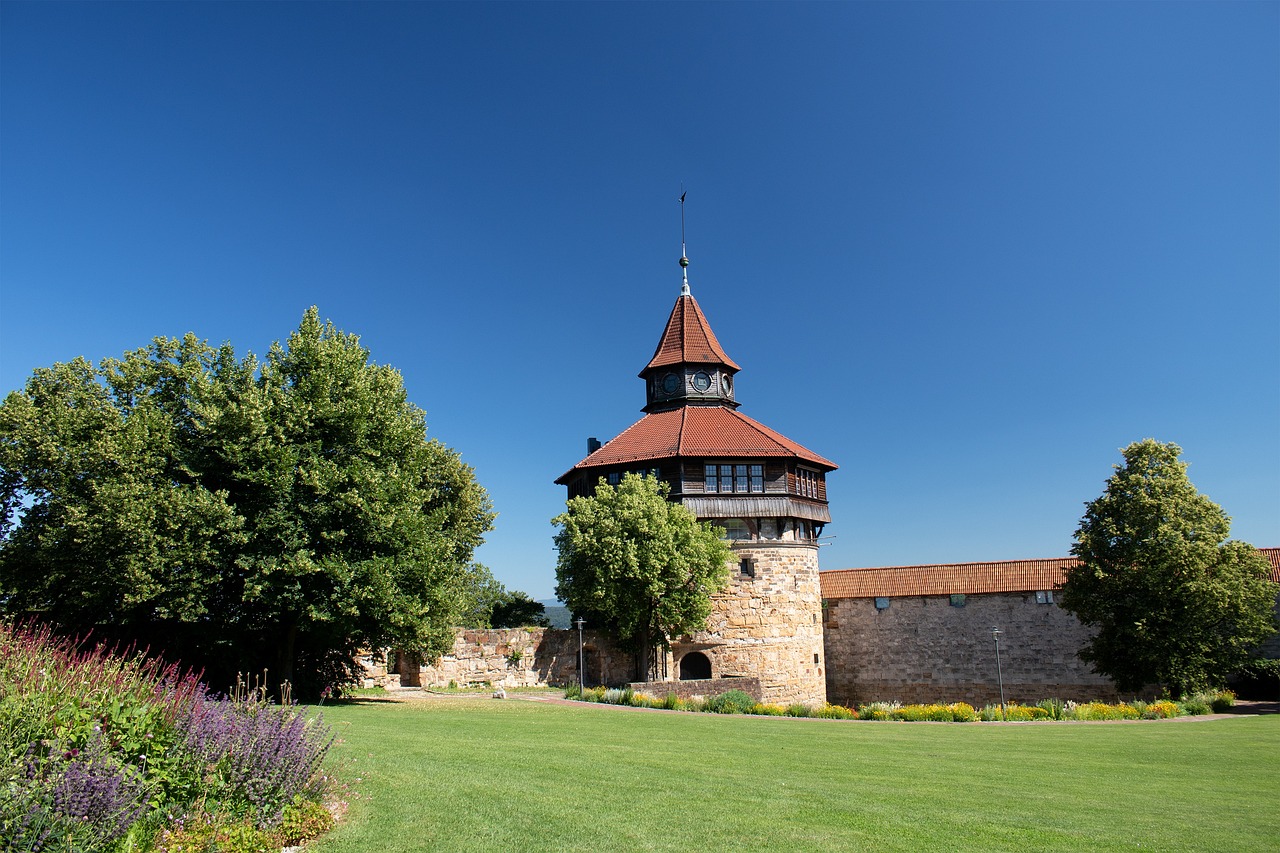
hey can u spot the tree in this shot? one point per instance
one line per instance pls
(518, 610)
(238, 513)
(638, 564)
(1174, 603)
(490, 605)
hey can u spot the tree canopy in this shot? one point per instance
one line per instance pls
(1173, 601)
(492, 605)
(238, 513)
(635, 563)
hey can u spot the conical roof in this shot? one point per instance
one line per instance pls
(688, 339)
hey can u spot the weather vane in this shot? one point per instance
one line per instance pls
(684, 257)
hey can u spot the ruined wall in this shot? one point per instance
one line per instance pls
(922, 649)
(768, 626)
(516, 657)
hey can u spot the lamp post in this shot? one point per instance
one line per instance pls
(995, 635)
(581, 683)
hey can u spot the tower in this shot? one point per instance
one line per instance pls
(765, 491)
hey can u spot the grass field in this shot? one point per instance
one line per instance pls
(478, 774)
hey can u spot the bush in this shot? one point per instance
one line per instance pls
(799, 710)
(671, 702)
(834, 712)
(731, 702)
(1053, 707)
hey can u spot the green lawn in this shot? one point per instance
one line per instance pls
(480, 774)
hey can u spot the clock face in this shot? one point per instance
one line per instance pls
(701, 381)
(671, 383)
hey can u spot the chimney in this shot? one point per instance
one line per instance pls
(593, 444)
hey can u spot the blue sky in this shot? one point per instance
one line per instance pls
(967, 251)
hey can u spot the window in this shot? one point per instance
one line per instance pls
(806, 483)
(882, 602)
(614, 477)
(957, 599)
(735, 529)
(747, 567)
(1044, 596)
(741, 479)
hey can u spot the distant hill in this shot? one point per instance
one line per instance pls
(557, 613)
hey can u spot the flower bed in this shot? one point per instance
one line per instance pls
(737, 702)
(106, 752)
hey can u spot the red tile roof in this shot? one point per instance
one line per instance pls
(696, 431)
(972, 578)
(688, 339)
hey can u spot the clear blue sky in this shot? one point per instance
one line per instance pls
(967, 251)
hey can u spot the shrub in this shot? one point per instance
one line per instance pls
(1195, 706)
(1054, 707)
(1222, 701)
(963, 712)
(671, 702)
(302, 821)
(877, 710)
(731, 702)
(834, 712)
(798, 710)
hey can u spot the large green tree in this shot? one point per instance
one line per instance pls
(240, 513)
(1172, 600)
(638, 564)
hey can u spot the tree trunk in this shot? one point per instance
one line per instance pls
(285, 652)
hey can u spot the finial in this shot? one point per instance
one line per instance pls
(684, 257)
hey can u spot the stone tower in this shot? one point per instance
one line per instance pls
(765, 491)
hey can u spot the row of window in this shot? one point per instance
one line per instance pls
(807, 483)
(734, 478)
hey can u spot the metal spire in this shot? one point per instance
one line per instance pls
(684, 258)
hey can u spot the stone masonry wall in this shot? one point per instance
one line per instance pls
(769, 626)
(705, 687)
(519, 657)
(922, 649)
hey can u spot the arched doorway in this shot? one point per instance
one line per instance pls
(694, 665)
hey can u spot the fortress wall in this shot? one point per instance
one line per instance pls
(922, 649)
(520, 657)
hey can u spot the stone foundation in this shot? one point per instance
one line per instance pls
(705, 687)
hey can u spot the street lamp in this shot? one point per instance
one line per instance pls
(581, 621)
(995, 635)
